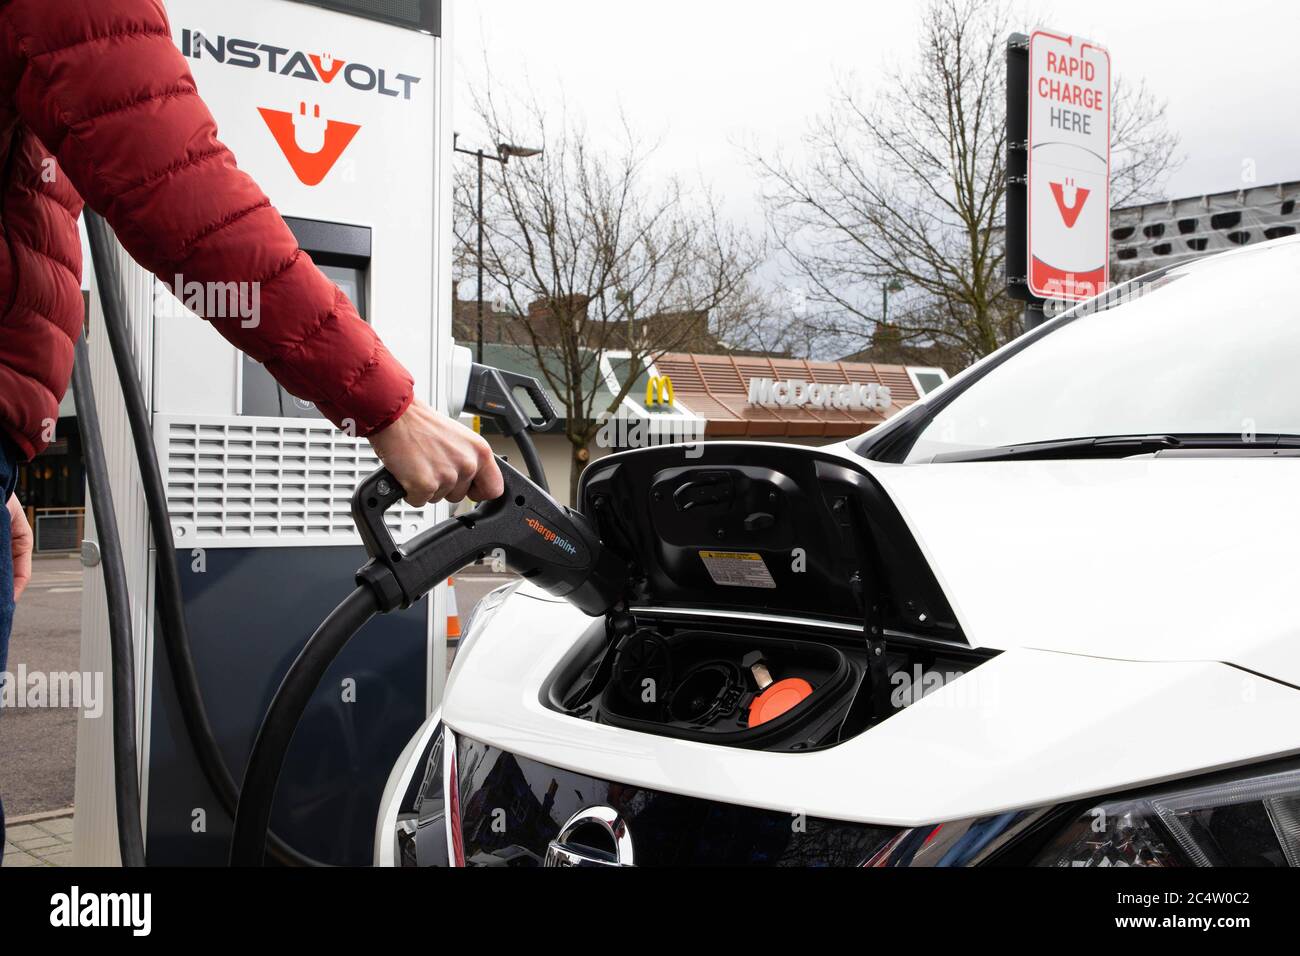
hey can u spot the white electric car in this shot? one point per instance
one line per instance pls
(1043, 618)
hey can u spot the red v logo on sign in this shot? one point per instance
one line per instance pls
(311, 143)
(1070, 213)
(327, 66)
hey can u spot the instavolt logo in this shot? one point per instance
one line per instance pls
(283, 61)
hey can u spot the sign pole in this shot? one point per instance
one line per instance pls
(1058, 170)
(1017, 201)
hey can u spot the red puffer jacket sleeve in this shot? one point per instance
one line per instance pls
(104, 87)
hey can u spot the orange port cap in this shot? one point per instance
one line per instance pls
(778, 699)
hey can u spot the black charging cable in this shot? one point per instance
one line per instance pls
(555, 548)
(126, 780)
(170, 606)
(492, 394)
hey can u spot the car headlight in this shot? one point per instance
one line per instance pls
(1250, 819)
(482, 613)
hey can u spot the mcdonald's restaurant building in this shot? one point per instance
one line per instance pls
(686, 398)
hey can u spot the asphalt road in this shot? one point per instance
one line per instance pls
(38, 746)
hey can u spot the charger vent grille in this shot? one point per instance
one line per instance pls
(256, 482)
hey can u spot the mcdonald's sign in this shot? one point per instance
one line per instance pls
(659, 393)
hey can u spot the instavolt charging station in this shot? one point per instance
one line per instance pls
(340, 110)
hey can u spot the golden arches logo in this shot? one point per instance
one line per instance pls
(660, 392)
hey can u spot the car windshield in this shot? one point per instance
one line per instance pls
(1205, 348)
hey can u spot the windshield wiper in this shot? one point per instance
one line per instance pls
(1125, 446)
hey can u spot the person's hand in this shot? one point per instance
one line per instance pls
(21, 549)
(437, 459)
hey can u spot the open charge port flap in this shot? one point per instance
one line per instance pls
(776, 530)
(789, 558)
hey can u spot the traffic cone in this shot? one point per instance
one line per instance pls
(453, 615)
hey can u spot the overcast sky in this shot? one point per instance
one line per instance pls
(702, 76)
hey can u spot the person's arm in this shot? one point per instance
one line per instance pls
(20, 548)
(103, 86)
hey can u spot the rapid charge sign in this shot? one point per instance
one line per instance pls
(1069, 167)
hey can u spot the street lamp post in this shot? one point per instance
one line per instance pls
(505, 152)
(892, 286)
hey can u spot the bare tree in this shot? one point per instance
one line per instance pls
(592, 259)
(909, 188)
(759, 321)
(1144, 149)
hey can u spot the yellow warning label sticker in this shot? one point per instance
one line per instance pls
(730, 569)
